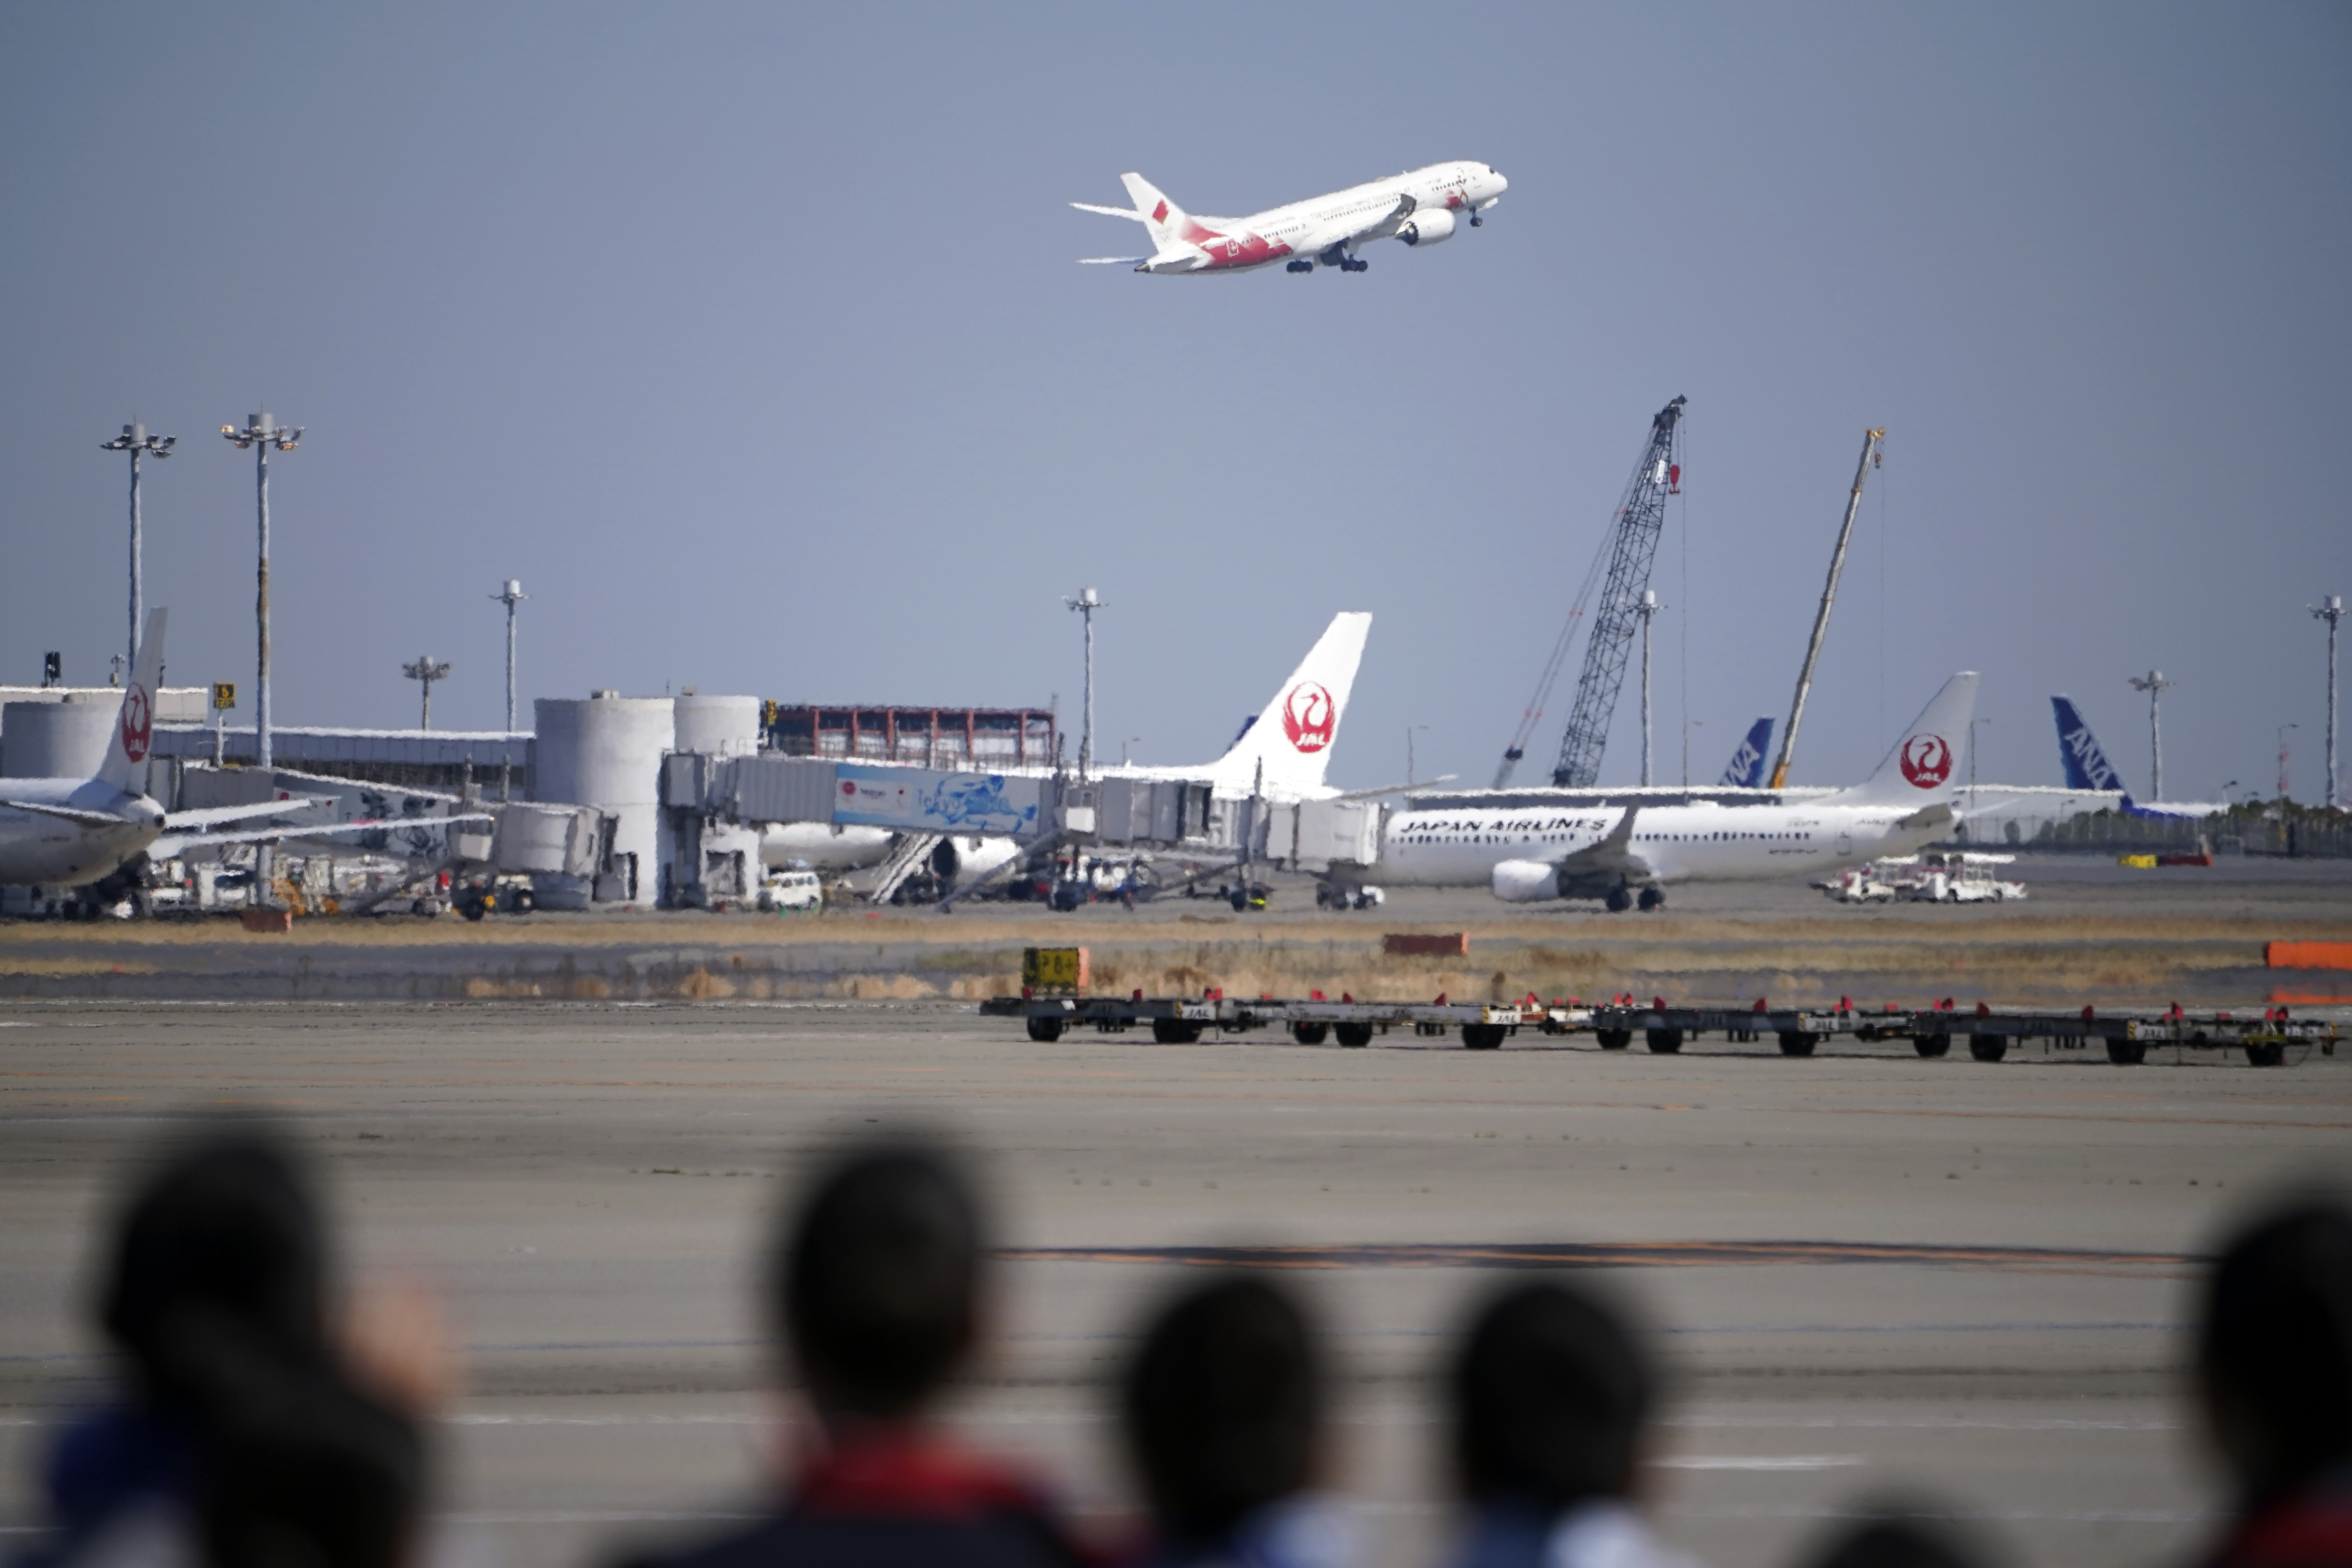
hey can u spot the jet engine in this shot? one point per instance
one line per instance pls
(1431, 227)
(1526, 881)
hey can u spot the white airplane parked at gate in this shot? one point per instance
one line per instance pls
(1621, 855)
(1282, 754)
(1421, 206)
(69, 833)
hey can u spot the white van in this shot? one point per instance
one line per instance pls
(788, 892)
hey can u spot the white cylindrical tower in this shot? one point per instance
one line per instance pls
(721, 860)
(63, 740)
(605, 750)
(717, 726)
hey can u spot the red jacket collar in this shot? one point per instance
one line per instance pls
(897, 1472)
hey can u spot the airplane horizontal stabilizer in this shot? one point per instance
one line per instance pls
(1112, 260)
(1112, 211)
(70, 813)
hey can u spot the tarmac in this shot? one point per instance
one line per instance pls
(1962, 1284)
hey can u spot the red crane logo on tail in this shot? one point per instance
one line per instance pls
(1309, 716)
(1926, 760)
(138, 723)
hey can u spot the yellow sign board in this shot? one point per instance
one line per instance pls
(1051, 970)
(224, 694)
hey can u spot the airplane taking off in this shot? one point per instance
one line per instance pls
(1282, 754)
(1421, 206)
(67, 833)
(1617, 853)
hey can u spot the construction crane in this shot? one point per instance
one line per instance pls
(1639, 516)
(1870, 440)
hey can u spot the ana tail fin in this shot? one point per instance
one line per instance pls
(2086, 767)
(1745, 769)
(1166, 220)
(135, 731)
(1923, 767)
(1293, 735)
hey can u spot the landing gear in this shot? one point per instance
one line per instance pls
(1478, 222)
(1654, 899)
(1619, 901)
(1044, 1030)
(1298, 266)
(1358, 264)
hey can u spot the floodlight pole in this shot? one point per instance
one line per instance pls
(135, 440)
(2153, 684)
(1086, 603)
(1647, 608)
(262, 433)
(424, 672)
(2331, 610)
(512, 595)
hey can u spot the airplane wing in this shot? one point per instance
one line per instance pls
(180, 843)
(212, 815)
(1359, 226)
(1111, 212)
(1394, 789)
(1613, 856)
(70, 813)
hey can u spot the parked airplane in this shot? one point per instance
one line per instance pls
(1421, 206)
(1620, 854)
(1745, 769)
(1284, 760)
(68, 833)
(2088, 768)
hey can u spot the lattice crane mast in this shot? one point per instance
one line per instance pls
(1640, 514)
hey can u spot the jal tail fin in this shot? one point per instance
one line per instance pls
(2086, 764)
(1746, 770)
(134, 730)
(1288, 746)
(1924, 768)
(1167, 222)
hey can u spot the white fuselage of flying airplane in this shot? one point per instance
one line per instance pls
(1418, 207)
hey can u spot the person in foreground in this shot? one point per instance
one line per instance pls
(2275, 1382)
(245, 1436)
(1224, 1408)
(1551, 1402)
(877, 1292)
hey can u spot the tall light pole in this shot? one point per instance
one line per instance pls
(1647, 609)
(1982, 719)
(262, 433)
(1409, 729)
(1086, 603)
(2154, 683)
(424, 672)
(2331, 611)
(510, 595)
(2283, 759)
(135, 440)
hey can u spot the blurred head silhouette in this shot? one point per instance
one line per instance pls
(1551, 1393)
(877, 1283)
(2275, 1347)
(1900, 1538)
(1224, 1408)
(216, 1296)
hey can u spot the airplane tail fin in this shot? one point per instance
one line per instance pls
(134, 732)
(1166, 220)
(1924, 768)
(1746, 770)
(1293, 735)
(2079, 755)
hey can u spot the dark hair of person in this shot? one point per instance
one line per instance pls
(215, 1293)
(2274, 1348)
(1223, 1406)
(879, 1280)
(1550, 1392)
(1891, 1541)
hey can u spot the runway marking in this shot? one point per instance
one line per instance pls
(1616, 1255)
(1759, 1462)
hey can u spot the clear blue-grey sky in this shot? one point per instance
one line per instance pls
(749, 338)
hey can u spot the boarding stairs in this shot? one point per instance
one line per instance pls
(908, 856)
